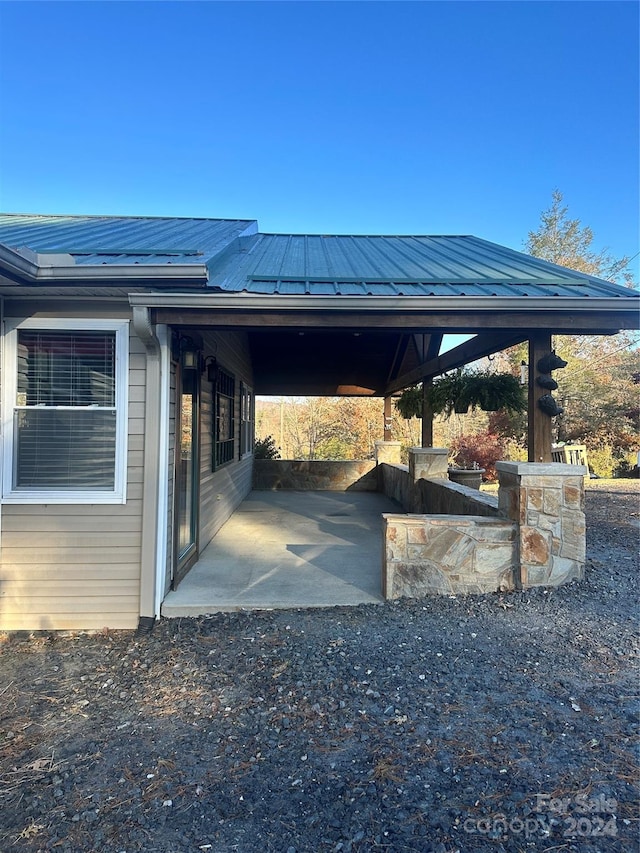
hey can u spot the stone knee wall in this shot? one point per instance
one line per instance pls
(315, 474)
(547, 503)
(536, 537)
(435, 495)
(453, 554)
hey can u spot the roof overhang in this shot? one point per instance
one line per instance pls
(448, 314)
(39, 269)
(280, 302)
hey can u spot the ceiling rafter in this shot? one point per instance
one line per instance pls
(478, 347)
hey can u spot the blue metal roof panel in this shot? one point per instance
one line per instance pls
(240, 259)
(152, 258)
(422, 265)
(117, 239)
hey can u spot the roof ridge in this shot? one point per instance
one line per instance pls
(126, 216)
(363, 236)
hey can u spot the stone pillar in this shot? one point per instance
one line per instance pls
(428, 462)
(546, 500)
(388, 451)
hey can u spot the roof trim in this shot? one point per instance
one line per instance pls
(366, 304)
(16, 264)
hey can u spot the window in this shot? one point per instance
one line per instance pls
(65, 411)
(224, 392)
(246, 420)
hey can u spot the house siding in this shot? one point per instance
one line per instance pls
(222, 491)
(78, 566)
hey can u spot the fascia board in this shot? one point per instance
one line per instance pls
(278, 302)
(16, 264)
(125, 272)
(22, 268)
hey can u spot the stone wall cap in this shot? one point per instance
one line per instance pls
(442, 451)
(440, 519)
(381, 442)
(542, 469)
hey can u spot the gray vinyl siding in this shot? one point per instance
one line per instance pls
(221, 491)
(78, 566)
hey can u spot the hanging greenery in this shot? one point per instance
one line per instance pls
(460, 390)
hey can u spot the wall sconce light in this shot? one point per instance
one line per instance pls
(211, 365)
(190, 359)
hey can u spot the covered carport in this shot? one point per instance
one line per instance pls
(366, 315)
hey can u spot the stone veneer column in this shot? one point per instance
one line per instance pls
(428, 463)
(546, 500)
(388, 451)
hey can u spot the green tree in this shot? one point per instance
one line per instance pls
(565, 241)
(597, 387)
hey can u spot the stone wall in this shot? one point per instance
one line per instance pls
(447, 554)
(457, 540)
(315, 475)
(547, 503)
(435, 495)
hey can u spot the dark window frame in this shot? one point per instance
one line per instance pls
(223, 421)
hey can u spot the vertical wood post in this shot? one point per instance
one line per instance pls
(427, 415)
(539, 430)
(388, 432)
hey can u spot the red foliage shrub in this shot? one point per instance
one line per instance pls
(485, 448)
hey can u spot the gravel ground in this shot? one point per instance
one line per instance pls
(497, 723)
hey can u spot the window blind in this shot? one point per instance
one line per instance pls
(65, 415)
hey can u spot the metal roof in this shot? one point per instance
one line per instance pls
(298, 264)
(235, 258)
(123, 240)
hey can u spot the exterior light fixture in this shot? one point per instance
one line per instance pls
(190, 354)
(189, 359)
(524, 372)
(212, 368)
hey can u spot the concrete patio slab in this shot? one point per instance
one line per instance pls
(289, 549)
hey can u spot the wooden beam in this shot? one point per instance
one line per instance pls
(469, 351)
(403, 342)
(433, 346)
(459, 322)
(539, 427)
(388, 419)
(427, 415)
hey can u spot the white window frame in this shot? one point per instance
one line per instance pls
(117, 495)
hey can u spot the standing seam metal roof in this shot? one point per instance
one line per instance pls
(118, 240)
(395, 266)
(239, 259)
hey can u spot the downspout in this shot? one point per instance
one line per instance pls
(152, 467)
(163, 335)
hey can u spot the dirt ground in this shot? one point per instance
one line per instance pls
(480, 723)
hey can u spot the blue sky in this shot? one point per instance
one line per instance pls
(325, 117)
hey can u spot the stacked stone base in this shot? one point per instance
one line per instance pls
(538, 540)
(547, 503)
(447, 554)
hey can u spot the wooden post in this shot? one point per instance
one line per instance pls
(539, 430)
(427, 415)
(388, 432)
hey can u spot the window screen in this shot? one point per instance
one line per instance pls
(65, 413)
(224, 425)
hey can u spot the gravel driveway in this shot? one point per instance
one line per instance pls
(497, 723)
